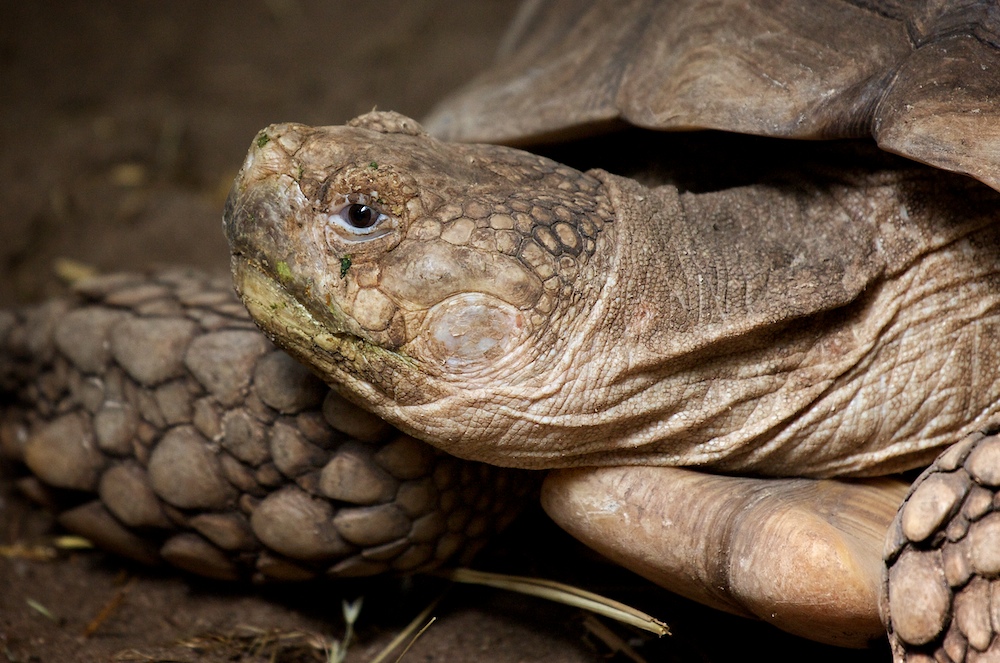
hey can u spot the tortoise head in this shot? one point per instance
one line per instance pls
(433, 283)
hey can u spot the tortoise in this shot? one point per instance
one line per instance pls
(711, 359)
(758, 340)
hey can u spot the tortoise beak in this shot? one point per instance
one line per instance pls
(263, 195)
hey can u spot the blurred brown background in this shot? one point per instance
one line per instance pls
(124, 122)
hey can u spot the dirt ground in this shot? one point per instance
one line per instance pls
(123, 125)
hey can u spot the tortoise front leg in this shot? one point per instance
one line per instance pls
(802, 554)
(941, 597)
(163, 426)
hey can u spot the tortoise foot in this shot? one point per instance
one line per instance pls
(941, 597)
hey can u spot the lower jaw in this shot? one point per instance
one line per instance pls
(376, 378)
(280, 315)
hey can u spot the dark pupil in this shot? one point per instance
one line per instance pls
(361, 216)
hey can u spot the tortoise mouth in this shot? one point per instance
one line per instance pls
(280, 314)
(272, 297)
(362, 370)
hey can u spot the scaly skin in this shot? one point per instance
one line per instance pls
(160, 423)
(512, 310)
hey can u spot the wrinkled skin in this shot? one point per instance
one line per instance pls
(513, 310)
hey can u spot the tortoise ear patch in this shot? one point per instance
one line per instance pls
(388, 122)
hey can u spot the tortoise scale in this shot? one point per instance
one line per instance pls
(726, 369)
(158, 422)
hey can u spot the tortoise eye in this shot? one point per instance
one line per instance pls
(361, 216)
(358, 221)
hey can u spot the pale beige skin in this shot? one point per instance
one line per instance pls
(515, 311)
